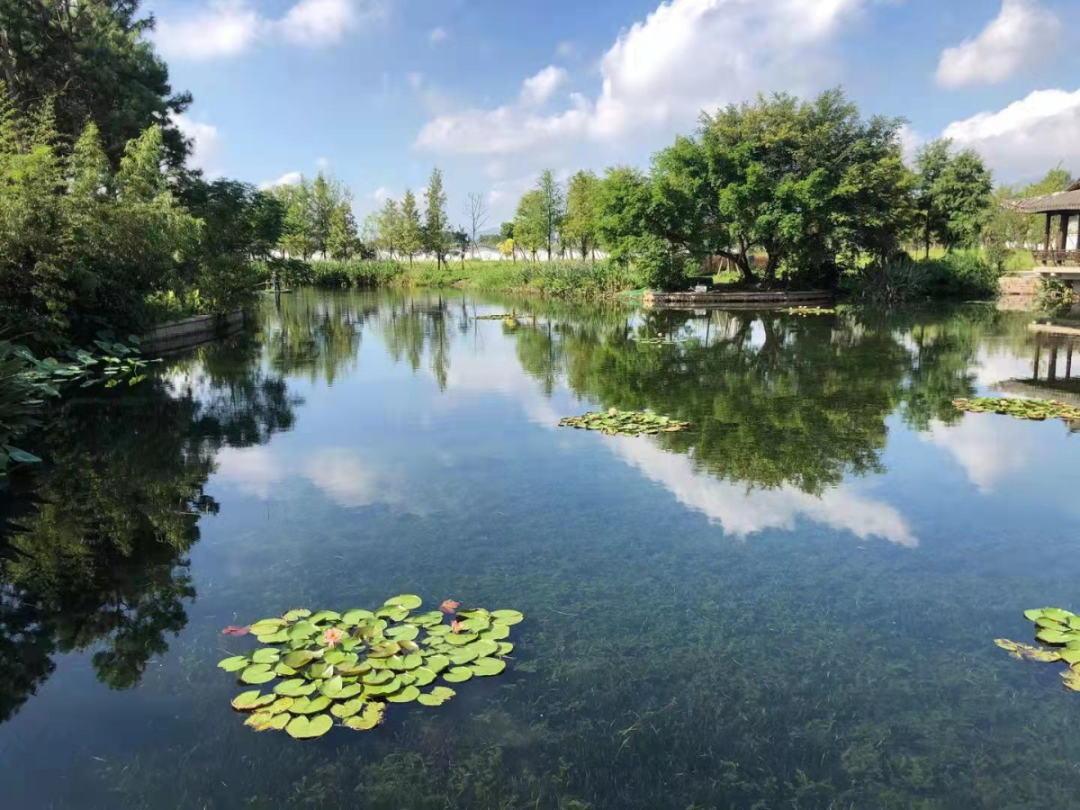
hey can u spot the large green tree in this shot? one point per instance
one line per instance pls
(410, 237)
(437, 237)
(553, 207)
(94, 59)
(579, 225)
(954, 193)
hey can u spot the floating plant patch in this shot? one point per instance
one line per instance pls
(806, 311)
(1057, 628)
(625, 423)
(658, 340)
(499, 317)
(1035, 409)
(345, 668)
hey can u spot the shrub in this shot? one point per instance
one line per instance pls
(961, 275)
(956, 276)
(1054, 296)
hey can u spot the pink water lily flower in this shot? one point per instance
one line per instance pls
(332, 637)
(456, 626)
(234, 630)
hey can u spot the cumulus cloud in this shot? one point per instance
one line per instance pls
(1023, 34)
(686, 56)
(1028, 136)
(287, 179)
(538, 90)
(437, 35)
(742, 512)
(988, 451)
(225, 28)
(380, 194)
(206, 143)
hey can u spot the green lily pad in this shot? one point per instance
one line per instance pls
(440, 630)
(505, 648)
(403, 632)
(394, 612)
(348, 708)
(424, 676)
(280, 705)
(406, 695)
(497, 632)
(257, 674)
(249, 701)
(284, 670)
(297, 613)
(457, 675)
(273, 638)
(387, 650)
(437, 663)
(234, 664)
(267, 655)
(354, 617)
(369, 719)
(1054, 636)
(307, 728)
(486, 667)
(320, 670)
(387, 688)
(377, 676)
(265, 627)
(298, 659)
(461, 639)
(263, 721)
(313, 705)
(484, 647)
(409, 601)
(325, 616)
(297, 687)
(429, 619)
(464, 655)
(507, 617)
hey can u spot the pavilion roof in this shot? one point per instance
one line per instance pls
(1062, 201)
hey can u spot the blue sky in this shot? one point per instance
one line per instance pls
(493, 91)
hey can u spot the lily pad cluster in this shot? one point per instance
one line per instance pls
(345, 668)
(658, 340)
(625, 423)
(1037, 410)
(497, 317)
(806, 311)
(1060, 630)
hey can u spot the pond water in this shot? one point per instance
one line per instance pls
(791, 605)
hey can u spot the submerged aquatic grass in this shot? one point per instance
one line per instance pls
(348, 666)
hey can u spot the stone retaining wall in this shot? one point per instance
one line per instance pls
(189, 332)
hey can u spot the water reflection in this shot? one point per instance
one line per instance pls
(94, 555)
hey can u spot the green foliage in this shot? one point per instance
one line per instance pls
(530, 223)
(1035, 410)
(962, 275)
(551, 208)
(95, 60)
(614, 422)
(557, 279)
(436, 230)
(1054, 296)
(954, 194)
(410, 235)
(359, 661)
(1058, 628)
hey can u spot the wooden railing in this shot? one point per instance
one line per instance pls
(1057, 258)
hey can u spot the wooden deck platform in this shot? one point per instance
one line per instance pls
(736, 299)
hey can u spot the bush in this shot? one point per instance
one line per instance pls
(956, 276)
(1054, 296)
(559, 279)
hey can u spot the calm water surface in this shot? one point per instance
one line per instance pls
(792, 605)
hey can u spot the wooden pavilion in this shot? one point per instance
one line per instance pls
(1063, 205)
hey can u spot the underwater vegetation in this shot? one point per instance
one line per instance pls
(625, 423)
(348, 666)
(1057, 627)
(1037, 410)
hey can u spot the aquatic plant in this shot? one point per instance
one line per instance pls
(1037, 410)
(348, 666)
(625, 423)
(805, 311)
(496, 317)
(1057, 628)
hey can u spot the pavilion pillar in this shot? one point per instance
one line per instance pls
(1051, 370)
(1064, 235)
(1046, 242)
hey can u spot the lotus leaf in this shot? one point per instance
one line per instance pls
(1037, 410)
(1072, 680)
(409, 601)
(234, 664)
(423, 676)
(306, 728)
(497, 632)
(1070, 656)
(257, 674)
(371, 717)
(372, 659)
(487, 667)
(507, 617)
(313, 705)
(625, 423)
(406, 695)
(267, 655)
(296, 687)
(457, 674)
(1033, 614)
(1054, 636)
(249, 701)
(263, 721)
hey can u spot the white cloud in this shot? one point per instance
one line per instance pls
(686, 56)
(380, 194)
(537, 90)
(287, 179)
(255, 471)
(227, 28)
(437, 35)
(319, 22)
(910, 141)
(322, 162)
(1023, 34)
(742, 512)
(1027, 137)
(344, 478)
(416, 80)
(988, 451)
(566, 50)
(206, 143)
(223, 28)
